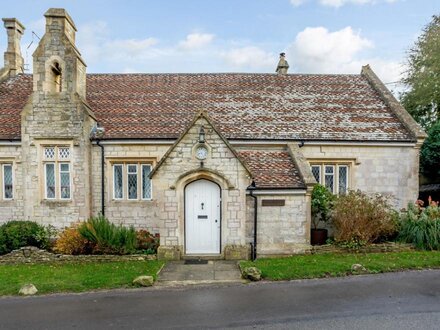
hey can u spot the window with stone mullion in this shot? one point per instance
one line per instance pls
(50, 180)
(118, 189)
(7, 182)
(146, 182)
(65, 181)
(132, 181)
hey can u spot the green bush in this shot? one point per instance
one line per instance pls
(359, 218)
(108, 238)
(421, 226)
(322, 203)
(16, 234)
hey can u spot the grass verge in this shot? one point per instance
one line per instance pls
(74, 277)
(331, 265)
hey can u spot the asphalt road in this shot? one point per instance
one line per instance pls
(408, 300)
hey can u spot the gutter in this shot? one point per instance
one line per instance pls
(102, 178)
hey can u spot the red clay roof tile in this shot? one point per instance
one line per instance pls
(272, 169)
(243, 106)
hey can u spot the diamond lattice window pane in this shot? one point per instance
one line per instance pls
(329, 182)
(49, 153)
(316, 171)
(132, 186)
(50, 180)
(118, 191)
(65, 185)
(343, 180)
(7, 181)
(329, 169)
(146, 182)
(132, 168)
(63, 153)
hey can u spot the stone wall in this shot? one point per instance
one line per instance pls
(281, 229)
(377, 169)
(12, 209)
(33, 255)
(70, 126)
(140, 214)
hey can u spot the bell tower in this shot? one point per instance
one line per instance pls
(58, 66)
(55, 128)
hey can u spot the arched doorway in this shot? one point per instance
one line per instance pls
(202, 217)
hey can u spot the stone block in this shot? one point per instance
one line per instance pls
(168, 252)
(143, 281)
(237, 252)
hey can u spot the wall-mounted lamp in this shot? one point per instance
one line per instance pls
(301, 143)
(202, 135)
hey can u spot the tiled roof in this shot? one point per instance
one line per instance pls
(243, 106)
(14, 93)
(272, 169)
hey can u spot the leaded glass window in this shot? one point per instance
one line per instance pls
(49, 153)
(117, 182)
(329, 179)
(342, 179)
(132, 181)
(50, 180)
(146, 182)
(65, 180)
(7, 182)
(63, 153)
(334, 177)
(316, 171)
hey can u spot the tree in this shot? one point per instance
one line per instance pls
(422, 100)
(430, 153)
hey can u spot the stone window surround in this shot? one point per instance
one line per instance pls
(110, 162)
(3, 162)
(41, 144)
(57, 160)
(349, 163)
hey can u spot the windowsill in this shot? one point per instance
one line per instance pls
(56, 202)
(7, 200)
(131, 200)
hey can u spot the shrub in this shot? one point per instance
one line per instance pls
(147, 242)
(421, 226)
(108, 238)
(70, 241)
(322, 203)
(359, 218)
(16, 234)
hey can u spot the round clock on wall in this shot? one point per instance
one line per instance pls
(201, 153)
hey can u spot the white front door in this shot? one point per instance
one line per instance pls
(202, 217)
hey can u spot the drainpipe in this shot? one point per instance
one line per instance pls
(102, 178)
(251, 189)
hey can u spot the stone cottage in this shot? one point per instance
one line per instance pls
(202, 159)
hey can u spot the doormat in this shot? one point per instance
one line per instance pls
(196, 262)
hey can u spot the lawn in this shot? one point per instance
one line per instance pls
(326, 265)
(74, 277)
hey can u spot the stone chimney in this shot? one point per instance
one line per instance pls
(283, 66)
(13, 60)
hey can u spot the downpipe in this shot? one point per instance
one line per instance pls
(254, 244)
(102, 178)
